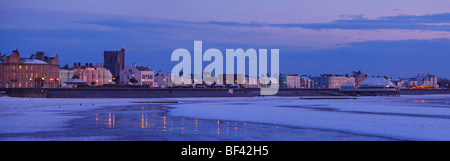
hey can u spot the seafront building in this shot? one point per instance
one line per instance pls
(289, 81)
(94, 75)
(138, 75)
(98, 75)
(398, 82)
(252, 82)
(64, 75)
(306, 82)
(163, 80)
(423, 82)
(37, 71)
(227, 78)
(246, 81)
(359, 76)
(326, 81)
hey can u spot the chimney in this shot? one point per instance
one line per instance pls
(90, 64)
(133, 65)
(40, 55)
(75, 64)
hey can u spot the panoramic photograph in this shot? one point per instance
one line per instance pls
(214, 71)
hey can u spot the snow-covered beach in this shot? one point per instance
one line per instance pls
(412, 117)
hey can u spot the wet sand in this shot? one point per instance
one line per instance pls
(151, 122)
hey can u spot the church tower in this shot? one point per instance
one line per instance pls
(114, 61)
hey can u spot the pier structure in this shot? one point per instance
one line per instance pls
(372, 92)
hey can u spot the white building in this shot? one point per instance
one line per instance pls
(375, 82)
(64, 75)
(398, 82)
(423, 81)
(252, 82)
(142, 75)
(331, 80)
(293, 81)
(163, 80)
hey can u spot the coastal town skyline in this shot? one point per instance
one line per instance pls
(159, 68)
(379, 38)
(42, 70)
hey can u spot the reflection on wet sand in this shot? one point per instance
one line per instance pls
(418, 101)
(149, 118)
(154, 119)
(434, 102)
(106, 119)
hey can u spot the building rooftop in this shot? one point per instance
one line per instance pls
(423, 76)
(305, 78)
(142, 68)
(46, 56)
(375, 82)
(33, 61)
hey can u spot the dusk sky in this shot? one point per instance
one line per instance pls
(385, 37)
